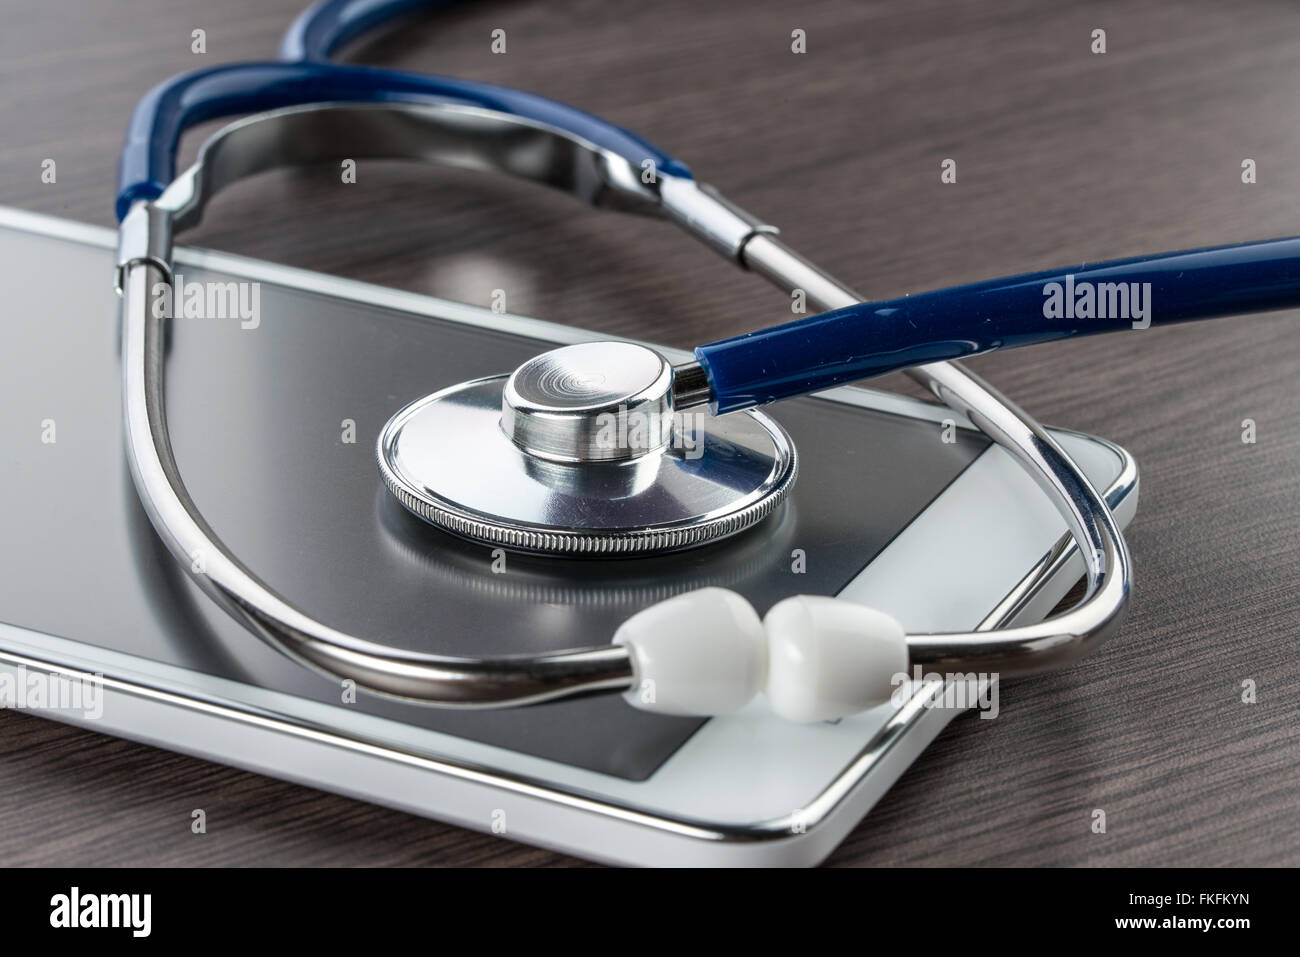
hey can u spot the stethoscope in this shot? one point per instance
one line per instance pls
(605, 448)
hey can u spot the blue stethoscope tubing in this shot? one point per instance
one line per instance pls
(873, 338)
(797, 357)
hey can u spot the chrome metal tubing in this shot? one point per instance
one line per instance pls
(446, 680)
(1023, 649)
(481, 139)
(449, 134)
(444, 133)
(690, 386)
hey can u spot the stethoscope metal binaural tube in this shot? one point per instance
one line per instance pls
(251, 144)
(376, 113)
(1024, 649)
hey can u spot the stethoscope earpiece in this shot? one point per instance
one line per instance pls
(815, 658)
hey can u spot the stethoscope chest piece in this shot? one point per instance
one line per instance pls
(580, 452)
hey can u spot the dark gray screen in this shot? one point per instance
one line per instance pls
(257, 421)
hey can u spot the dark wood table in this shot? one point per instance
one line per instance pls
(1063, 156)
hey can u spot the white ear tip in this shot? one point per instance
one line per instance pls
(829, 658)
(704, 652)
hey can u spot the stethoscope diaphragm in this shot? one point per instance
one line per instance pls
(579, 452)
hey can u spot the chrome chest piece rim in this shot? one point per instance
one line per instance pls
(563, 460)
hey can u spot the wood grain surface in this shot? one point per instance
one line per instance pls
(1063, 156)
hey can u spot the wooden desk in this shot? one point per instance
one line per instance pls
(1063, 156)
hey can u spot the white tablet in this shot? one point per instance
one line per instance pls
(898, 505)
